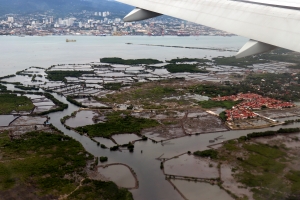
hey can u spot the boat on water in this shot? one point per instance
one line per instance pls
(67, 40)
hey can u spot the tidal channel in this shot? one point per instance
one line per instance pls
(152, 182)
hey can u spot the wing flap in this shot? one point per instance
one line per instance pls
(271, 25)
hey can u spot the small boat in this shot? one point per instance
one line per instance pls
(67, 40)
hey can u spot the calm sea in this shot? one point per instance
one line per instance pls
(18, 53)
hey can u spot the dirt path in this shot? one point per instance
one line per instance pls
(67, 195)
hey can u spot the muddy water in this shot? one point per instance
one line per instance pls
(125, 138)
(82, 118)
(6, 119)
(107, 142)
(196, 190)
(151, 179)
(44, 103)
(189, 165)
(42, 109)
(122, 178)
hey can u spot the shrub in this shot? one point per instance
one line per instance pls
(103, 159)
(114, 148)
(144, 138)
(207, 153)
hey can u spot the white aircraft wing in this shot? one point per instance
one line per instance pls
(268, 23)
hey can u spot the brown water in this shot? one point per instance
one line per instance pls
(191, 166)
(107, 142)
(197, 190)
(82, 118)
(119, 174)
(28, 120)
(6, 119)
(125, 138)
(152, 183)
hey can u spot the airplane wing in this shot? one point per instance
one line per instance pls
(267, 23)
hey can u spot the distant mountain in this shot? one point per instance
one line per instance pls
(61, 6)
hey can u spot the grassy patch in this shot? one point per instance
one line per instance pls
(91, 189)
(241, 62)
(115, 60)
(10, 102)
(207, 153)
(26, 88)
(153, 93)
(262, 168)
(263, 164)
(213, 90)
(42, 159)
(294, 67)
(52, 164)
(214, 104)
(223, 116)
(60, 75)
(177, 68)
(231, 145)
(72, 100)
(294, 178)
(118, 122)
(112, 86)
(265, 150)
(149, 95)
(176, 60)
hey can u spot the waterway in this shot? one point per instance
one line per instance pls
(18, 53)
(46, 51)
(152, 183)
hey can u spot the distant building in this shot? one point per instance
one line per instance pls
(51, 20)
(10, 19)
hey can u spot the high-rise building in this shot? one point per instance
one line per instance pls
(51, 20)
(71, 21)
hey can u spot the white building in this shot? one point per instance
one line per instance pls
(10, 19)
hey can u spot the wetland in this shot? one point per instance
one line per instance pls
(163, 115)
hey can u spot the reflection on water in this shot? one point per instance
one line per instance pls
(119, 174)
(197, 190)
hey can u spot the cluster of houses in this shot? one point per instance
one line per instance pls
(250, 101)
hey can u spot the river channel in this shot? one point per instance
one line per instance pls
(152, 183)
